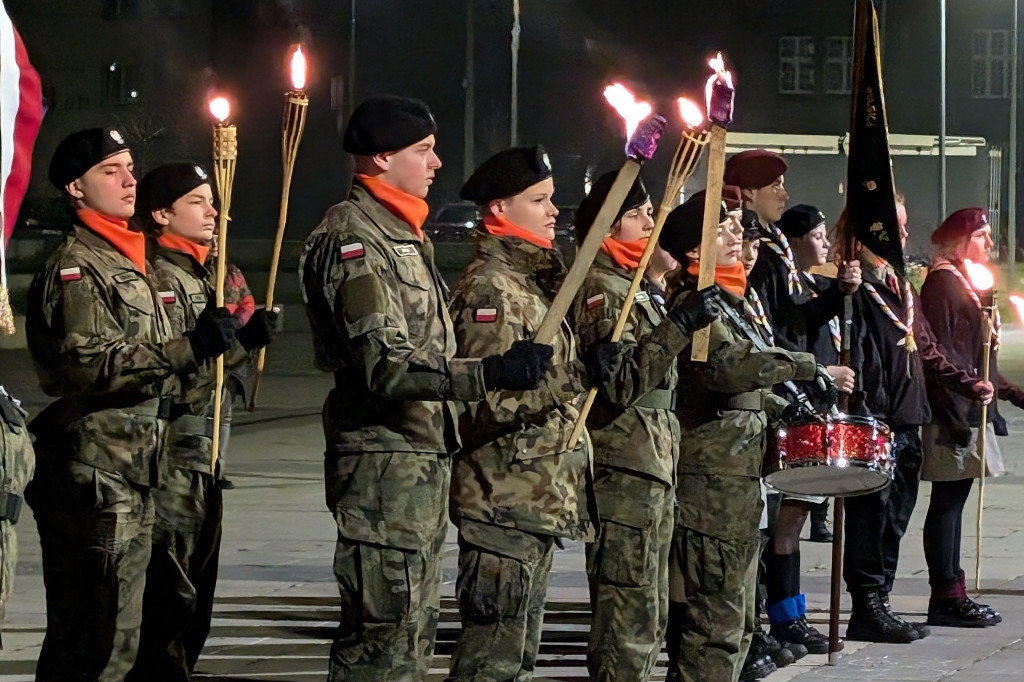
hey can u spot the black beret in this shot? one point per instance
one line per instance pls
(386, 124)
(506, 174)
(684, 226)
(166, 184)
(754, 169)
(799, 220)
(751, 225)
(78, 152)
(591, 204)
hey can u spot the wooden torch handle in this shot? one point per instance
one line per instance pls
(709, 236)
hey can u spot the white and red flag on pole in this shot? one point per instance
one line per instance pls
(21, 112)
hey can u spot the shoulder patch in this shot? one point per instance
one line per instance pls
(595, 301)
(406, 250)
(168, 296)
(70, 274)
(485, 314)
(354, 250)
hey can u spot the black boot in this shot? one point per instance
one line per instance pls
(819, 523)
(763, 643)
(801, 632)
(758, 664)
(985, 608)
(922, 628)
(958, 612)
(870, 621)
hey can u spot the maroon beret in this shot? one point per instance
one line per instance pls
(960, 224)
(754, 169)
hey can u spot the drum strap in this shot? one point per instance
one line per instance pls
(760, 345)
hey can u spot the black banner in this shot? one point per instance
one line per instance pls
(870, 215)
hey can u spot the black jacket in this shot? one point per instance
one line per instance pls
(955, 318)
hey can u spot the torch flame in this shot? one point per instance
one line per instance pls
(298, 69)
(624, 102)
(980, 276)
(220, 107)
(693, 117)
(1018, 303)
(718, 65)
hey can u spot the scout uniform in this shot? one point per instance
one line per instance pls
(518, 485)
(17, 464)
(103, 344)
(380, 322)
(188, 502)
(723, 407)
(636, 443)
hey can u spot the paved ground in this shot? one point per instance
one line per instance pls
(277, 601)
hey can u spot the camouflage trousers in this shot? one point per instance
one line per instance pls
(391, 512)
(502, 583)
(95, 530)
(711, 613)
(182, 557)
(627, 568)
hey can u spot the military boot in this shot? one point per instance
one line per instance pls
(758, 664)
(922, 628)
(819, 523)
(870, 621)
(959, 612)
(801, 632)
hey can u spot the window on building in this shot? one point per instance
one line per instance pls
(838, 65)
(796, 65)
(120, 9)
(990, 64)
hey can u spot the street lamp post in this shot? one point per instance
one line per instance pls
(514, 112)
(942, 110)
(1011, 232)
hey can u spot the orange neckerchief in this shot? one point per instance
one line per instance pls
(625, 254)
(502, 227)
(178, 243)
(131, 244)
(732, 278)
(402, 205)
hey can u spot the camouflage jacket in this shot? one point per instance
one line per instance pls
(517, 468)
(631, 423)
(183, 285)
(723, 407)
(17, 464)
(102, 342)
(377, 308)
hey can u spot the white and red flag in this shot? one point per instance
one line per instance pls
(21, 112)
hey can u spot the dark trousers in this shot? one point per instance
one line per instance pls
(942, 527)
(875, 523)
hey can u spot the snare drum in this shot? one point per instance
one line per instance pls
(838, 457)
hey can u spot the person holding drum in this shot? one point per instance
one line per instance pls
(723, 406)
(892, 348)
(951, 462)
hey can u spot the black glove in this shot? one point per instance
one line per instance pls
(521, 368)
(213, 334)
(259, 331)
(601, 361)
(796, 413)
(825, 386)
(694, 312)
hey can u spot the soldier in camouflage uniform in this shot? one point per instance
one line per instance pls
(17, 464)
(176, 210)
(378, 309)
(102, 342)
(518, 485)
(723, 407)
(636, 439)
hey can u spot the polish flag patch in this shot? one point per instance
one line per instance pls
(70, 274)
(595, 301)
(485, 314)
(167, 296)
(350, 251)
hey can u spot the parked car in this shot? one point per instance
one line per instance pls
(453, 223)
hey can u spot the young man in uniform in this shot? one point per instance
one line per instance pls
(17, 465)
(723, 406)
(518, 485)
(378, 310)
(892, 348)
(635, 435)
(102, 342)
(175, 209)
